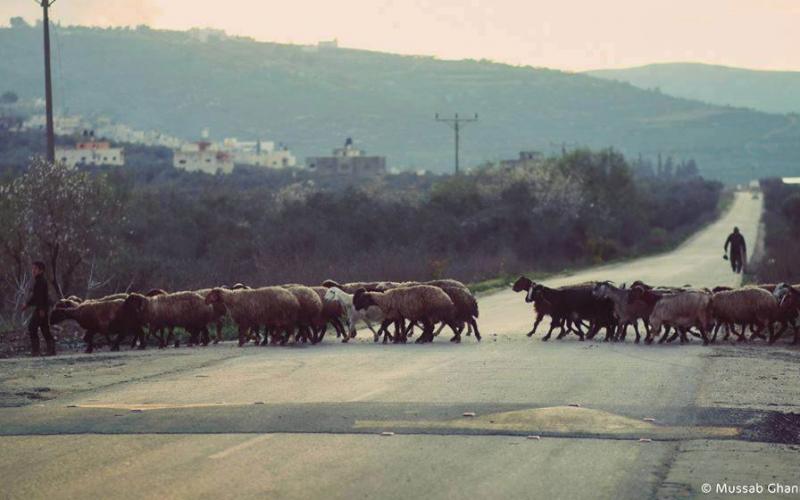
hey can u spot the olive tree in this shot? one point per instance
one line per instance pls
(62, 216)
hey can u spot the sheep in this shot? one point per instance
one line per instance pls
(541, 307)
(575, 303)
(94, 316)
(788, 308)
(370, 286)
(332, 311)
(626, 312)
(368, 315)
(466, 311)
(745, 306)
(274, 307)
(682, 311)
(185, 310)
(446, 283)
(309, 313)
(423, 303)
(221, 312)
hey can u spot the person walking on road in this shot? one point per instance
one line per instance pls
(738, 251)
(40, 302)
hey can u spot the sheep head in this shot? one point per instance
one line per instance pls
(362, 299)
(331, 283)
(134, 305)
(240, 286)
(522, 284)
(59, 314)
(214, 297)
(534, 293)
(155, 291)
(332, 293)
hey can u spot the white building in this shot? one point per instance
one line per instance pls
(91, 153)
(62, 125)
(203, 157)
(259, 153)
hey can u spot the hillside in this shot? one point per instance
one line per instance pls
(313, 99)
(768, 91)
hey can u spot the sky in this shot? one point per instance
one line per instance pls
(571, 35)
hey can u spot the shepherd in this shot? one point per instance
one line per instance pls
(738, 251)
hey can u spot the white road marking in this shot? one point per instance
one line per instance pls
(240, 446)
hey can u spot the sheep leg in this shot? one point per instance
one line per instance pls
(550, 331)
(535, 324)
(636, 329)
(369, 325)
(474, 323)
(564, 331)
(89, 339)
(385, 324)
(242, 335)
(759, 332)
(339, 327)
(427, 333)
(610, 332)
(456, 330)
(665, 335)
(741, 336)
(218, 335)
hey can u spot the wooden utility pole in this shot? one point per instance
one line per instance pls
(48, 84)
(456, 123)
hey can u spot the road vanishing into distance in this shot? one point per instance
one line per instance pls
(511, 417)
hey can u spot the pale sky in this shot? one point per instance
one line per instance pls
(564, 34)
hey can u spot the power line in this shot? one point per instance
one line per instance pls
(456, 123)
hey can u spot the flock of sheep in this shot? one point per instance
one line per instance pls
(299, 313)
(671, 311)
(277, 314)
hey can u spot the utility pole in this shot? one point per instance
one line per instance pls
(456, 122)
(48, 84)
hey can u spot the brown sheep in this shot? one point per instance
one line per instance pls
(466, 311)
(186, 310)
(332, 312)
(94, 316)
(423, 304)
(273, 307)
(310, 313)
(745, 306)
(682, 311)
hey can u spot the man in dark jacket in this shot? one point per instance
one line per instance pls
(738, 250)
(40, 302)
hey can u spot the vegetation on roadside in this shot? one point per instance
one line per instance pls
(139, 228)
(781, 221)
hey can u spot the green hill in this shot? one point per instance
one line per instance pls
(768, 91)
(312, 100)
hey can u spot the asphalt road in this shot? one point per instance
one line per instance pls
(511, 417)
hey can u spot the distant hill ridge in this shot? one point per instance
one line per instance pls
(313, 99)
(769, 91)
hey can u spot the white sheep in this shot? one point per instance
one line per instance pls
(368, 316)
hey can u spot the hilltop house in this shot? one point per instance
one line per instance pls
(348, 160)
(202, 156)
(91, 153)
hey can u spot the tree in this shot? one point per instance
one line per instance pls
(60, 216)
(9, 97)
(791, 209)
(18, 22)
